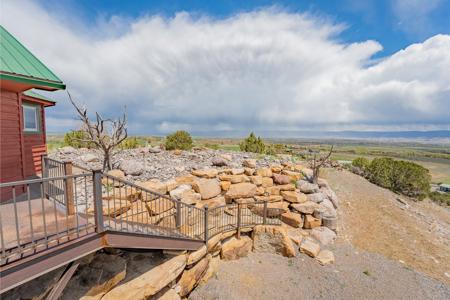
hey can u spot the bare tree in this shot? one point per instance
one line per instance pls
(318, 162)
(105, 134)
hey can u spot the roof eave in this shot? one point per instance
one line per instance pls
(36, 82)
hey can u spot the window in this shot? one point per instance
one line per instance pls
(30, 118)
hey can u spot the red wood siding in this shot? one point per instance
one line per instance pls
(11, 164)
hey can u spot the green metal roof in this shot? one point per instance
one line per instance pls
(31, 93)
(17, 63)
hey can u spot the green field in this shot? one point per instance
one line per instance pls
(435, 157)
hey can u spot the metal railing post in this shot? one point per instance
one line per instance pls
(98, 204)
(70, 204)
(44, 173)
(265, 213)
(206, 223)
(178, 216)
(238, 235)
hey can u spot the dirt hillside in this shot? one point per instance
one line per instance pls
(372, 218)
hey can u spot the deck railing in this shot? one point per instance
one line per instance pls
(62, 207)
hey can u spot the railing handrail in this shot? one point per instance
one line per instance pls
(39, 180)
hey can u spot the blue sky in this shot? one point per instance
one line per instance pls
(230, 67)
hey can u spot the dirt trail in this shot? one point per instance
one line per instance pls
(415, 233)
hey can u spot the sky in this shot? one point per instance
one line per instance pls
(225, 68)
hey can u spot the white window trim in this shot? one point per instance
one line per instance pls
(36, 111)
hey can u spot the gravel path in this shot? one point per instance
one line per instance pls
(356, 275)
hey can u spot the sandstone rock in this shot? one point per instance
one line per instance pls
(281, 179)
(331, 196)
(249, 163)
(159, 205)
(149, 283)
(132, 167)
(167, 221)
(154, 185)
(325, 257)
(208, 188)
(113, 208)
(171, 185)
(292, 219)
(307, 172)
(287, 187)
(272, 190)
(115, 173)
(295, 235)
(249, 171)
(93, 280)
(324, 235)
(213, 241)
(306, 187)
(169, 294)
(234, 248)
(238, 171)
(228, 157)
(138, 213)
(213, 267)
(267, 182)
(328, 208)
(293, 196)
(306, 207)
(298, 168)
(68, 150)
(155, 149)
(309, 247)
(225, 185)
(190, 197)
(213, 202)
(264, 172)
(195, 256)
(316, 197)
(228, 234)
(272, 239)
(310, 222)
(122, 193)
(241, 190)
(269, 198)
(186, 179)
(276, 169)
(330, 222)
(219, 162)
(258, 180)
(322, 182)
(190, 278)
(244, 200)
(260, 191)
(177, 152)
(292, 175)
(178, 192)
(205, 173)
(234, 178)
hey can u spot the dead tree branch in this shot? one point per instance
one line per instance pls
(318, 163)
(105, 134)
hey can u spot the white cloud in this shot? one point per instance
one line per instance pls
(265, 70)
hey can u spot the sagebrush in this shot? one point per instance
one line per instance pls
(180, 140)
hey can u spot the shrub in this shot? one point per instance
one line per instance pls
(381, 171)
(410, 179)
(74, 139)
(129, 143)
(361, 166)
(253, 144)
(443, 199)
(179, 140)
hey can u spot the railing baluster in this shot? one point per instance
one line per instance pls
(56, 219)
(43, 214)
(76, 207)
(98, 205)
(2, 239)
(16, 219)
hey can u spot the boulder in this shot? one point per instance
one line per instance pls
(238, 171)
(244, 201)
(113, 208)
(273, 190)
(213, 267)
(272, 239)
(178, 192)
(249, 171)
(96, 278)
(219, 161)
(293, 219)
(208, 188)
(67, 150)
(168, 294)
(159, 205)
(306, 187)
(310, 222)
(325, 257)
(258, 180)
(154, 185)
(309, 247)
(260, 191)
(115, 173)
(186, 179)
(307, 172)
(249, 163)
(276, 169)
(155, 149)
(132, 167)
(316, 197)
(330, 222)
(328, 208)
(324, 235)
(122, 193)
(293, 196)
(241, 190)
(149, 283)
(264, 172)
(292, 175)
(331, 196)
(234, 178)
(295, 235)
(234, 248)
(287, 187)
(269, 198)
(205, 173)
(213, 202)
(267, 182)
(307, 207)
(213, 242)
(190, 278)
(281, 179)
(273, 209)
(322, 183)
(195, 256)
(190, 197)
(225, 185)
(228, 157)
